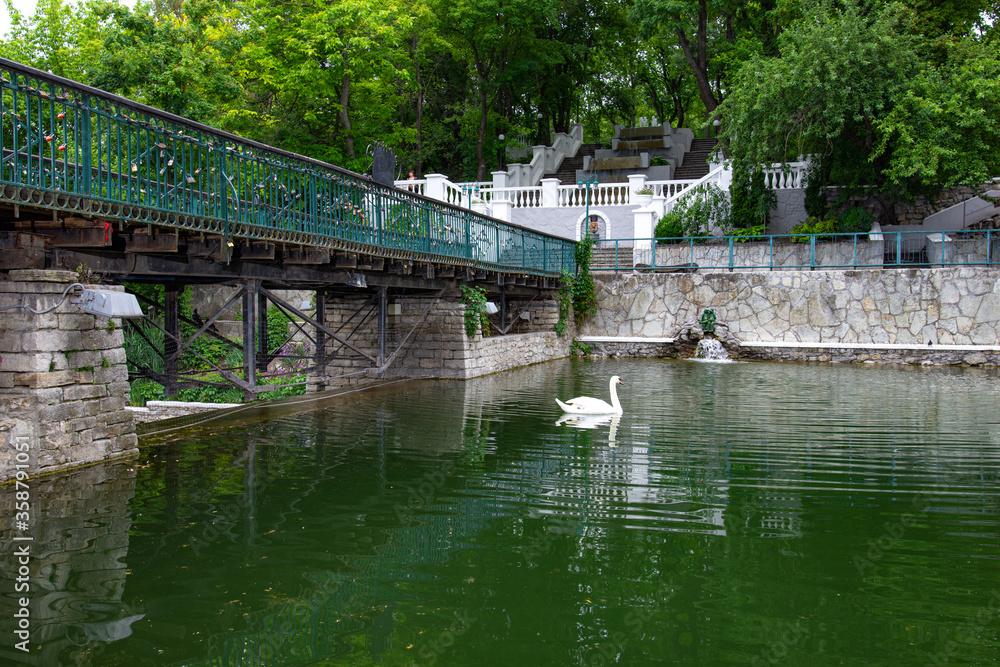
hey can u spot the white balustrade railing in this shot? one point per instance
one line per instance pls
(791, 175)
(551, 194)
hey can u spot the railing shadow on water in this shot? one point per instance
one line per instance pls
(70, 147)
(874, 250)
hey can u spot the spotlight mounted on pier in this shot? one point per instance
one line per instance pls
(357, 280)
(106, 303)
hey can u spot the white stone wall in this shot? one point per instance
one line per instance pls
(946, 306)
(63, 379)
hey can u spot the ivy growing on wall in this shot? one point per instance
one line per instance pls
(474, 299)
(577, 291)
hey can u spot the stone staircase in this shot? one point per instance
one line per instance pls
(567, 170)
(696, 160)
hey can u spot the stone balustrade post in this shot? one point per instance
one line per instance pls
(436, 187)
(550, 192)
(636, 182)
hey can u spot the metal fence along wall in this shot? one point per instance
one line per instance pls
(803, 251)
(70, 147)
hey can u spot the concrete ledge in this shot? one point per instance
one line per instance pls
(871, 346)
(624, 339)
(156, 410)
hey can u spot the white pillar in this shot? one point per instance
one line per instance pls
(636, 182)
(502, 209)
(499, 179)
(550, 192)
(435, 186)
(643, 235)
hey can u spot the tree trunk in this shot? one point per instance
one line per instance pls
(699, 61)
(483, 109)
(344, 117)
(419, 111)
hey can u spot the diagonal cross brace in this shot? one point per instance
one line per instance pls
(298, 313)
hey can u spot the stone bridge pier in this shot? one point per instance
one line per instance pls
(422, 335)
(63, 379)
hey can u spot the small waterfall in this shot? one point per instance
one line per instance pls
(710, 349)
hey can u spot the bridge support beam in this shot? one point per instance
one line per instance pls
(172, 326)
(254, 312)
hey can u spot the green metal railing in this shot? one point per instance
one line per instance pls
(66, 146)
(802, 251)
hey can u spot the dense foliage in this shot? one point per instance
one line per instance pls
(893, 102)
(897, 95)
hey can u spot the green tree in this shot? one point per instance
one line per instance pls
(176, 62)
(857, 86)
(321, 77)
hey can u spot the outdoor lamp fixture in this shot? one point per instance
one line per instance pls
(501, 162)
(106, 303)
(93, 302)
(587, 182)
(491, 308)
(716, 123)
(357, 280)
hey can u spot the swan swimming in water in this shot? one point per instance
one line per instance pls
(585, 405)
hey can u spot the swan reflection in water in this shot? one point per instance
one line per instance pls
(592, 422)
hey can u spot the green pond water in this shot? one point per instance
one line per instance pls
(736, 514)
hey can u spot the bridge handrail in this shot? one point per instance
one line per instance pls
(65, 145)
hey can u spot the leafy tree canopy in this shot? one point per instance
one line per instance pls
(859, 86)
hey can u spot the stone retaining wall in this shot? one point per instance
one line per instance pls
(63, 379)
(917, 307)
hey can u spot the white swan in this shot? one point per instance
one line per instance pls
(585, 405)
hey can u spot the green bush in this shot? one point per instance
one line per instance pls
(659, 161)
(752, 201)
(702, 208)
(856, 221)
(815, 196)
(749, 233)
(669, 229)
(814, 226)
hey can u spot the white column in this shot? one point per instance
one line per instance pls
(643, 244)
(502, 209)
(550, 192)
(636, 182)
(435, 187)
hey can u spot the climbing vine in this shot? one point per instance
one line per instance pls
(584, 299)
(577, 291)
(474, 299)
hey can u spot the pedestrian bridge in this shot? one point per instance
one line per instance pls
(114, 173)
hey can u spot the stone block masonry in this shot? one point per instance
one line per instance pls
(432, 343)
(63, 378)
(860, 315)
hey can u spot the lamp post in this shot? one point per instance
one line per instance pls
(587, 182)
(543, 133)
(502, 154)
(716, 123)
